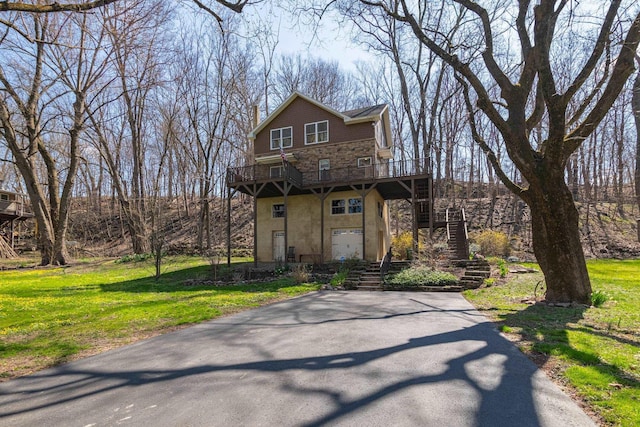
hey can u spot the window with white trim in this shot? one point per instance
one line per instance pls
(364, 162)
(4, 197)
(323, 169)
(315, 133)
(277, 210)
(338, 207)
(276, 171)
(346, 206)
(355, 206)
(282, 138)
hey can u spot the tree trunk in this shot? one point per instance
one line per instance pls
(635, 106)
(556, 242)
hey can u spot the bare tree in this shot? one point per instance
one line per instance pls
(635, 105)
(82, 6)
(556, 237)
(122, 123)
(321, 80)
(31, 111)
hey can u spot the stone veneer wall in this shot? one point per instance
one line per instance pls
(340, 155)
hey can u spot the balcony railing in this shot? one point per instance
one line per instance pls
(286, 170)
(394, 169)
(15, 208)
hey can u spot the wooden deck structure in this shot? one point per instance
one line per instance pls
(13, 207)
(409, 180)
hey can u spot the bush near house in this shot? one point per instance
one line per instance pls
(492, 243)
(402, 245)
(421, 276)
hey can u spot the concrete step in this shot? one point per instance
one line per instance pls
(478, 273)
(369, 288)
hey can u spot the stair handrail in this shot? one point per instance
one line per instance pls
(464, 221)
(466, 234)
(385, 264)
(447, 221)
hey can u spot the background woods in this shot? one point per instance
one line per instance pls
(133, 109)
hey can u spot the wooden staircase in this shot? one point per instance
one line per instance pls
(370, 278)
(476, 271)
(457, 239)
(422, 204)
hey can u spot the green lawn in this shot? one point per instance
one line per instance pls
(52, 315)
(597, 350)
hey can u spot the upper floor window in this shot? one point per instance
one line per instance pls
(276, 171)
(281, 138)
(4, 197)
(317, 132)
(364, 162)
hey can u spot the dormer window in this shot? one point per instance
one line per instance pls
(281, 138)
(315, 133)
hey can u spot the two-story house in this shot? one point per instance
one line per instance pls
(321, 182)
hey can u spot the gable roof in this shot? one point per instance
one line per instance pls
(367, 112)
(359, 115)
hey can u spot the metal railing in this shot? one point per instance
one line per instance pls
(393, 169)
(385, 264)
(275, 172)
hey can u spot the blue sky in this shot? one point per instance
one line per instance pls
(330, 43)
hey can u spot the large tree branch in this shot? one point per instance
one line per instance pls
(484, 100)
(491, 155)
(53, 7)
(529, 68)
(545, 22)
(83, 6)
(496, 72)
(623, 68)
(598, 49)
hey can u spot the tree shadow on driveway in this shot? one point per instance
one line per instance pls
(444, 357)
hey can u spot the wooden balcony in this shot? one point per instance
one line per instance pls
(14, 209)
(391, 179)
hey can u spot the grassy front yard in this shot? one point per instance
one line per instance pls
(53, 315)
(596, 351)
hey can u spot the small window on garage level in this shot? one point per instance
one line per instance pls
(277, 210)
(338, 207)
(355, 206)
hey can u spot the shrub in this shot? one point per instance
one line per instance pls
(134, 258)
(402, 244)
(339, 278)
(492, 242)
(502, 266)
(301, 273)
(598, 298)
(421, 276)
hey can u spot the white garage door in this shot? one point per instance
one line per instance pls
(346, 243)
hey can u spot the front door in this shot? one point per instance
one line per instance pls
(323, 169)
(278, 246)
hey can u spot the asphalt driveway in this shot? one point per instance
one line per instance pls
(327, 358)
